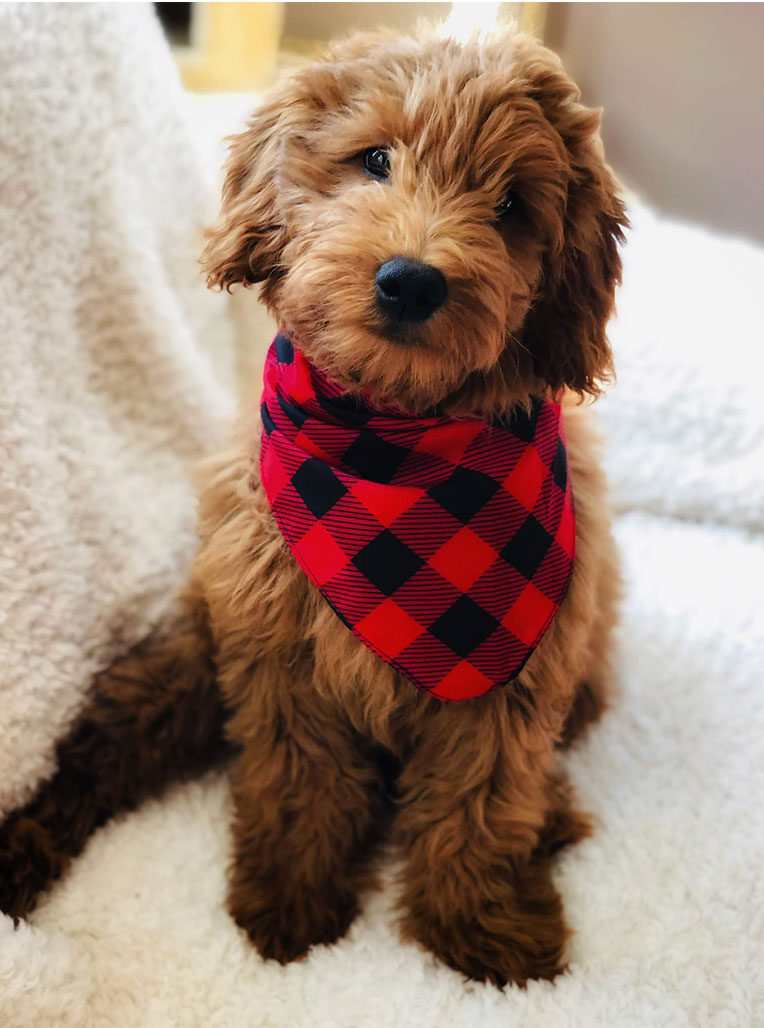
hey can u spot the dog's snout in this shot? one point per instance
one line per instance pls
(408, 290)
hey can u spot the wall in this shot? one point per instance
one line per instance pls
(320, 21)
(683, 91)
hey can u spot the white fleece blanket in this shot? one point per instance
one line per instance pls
(685, 428)
(116, 365)
(99, 414)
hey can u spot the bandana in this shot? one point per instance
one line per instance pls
(446, 545)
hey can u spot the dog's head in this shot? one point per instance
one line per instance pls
(433, 220)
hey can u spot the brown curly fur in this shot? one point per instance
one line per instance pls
(321, 726)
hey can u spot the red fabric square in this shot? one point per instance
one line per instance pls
(528, 615)
(451, 440)
(463, 682)
(525, 481)
(307, 445)
(566, 533)
(273, 475)
(319, 553)
(389, 628)
(384, 502)
(463, 559)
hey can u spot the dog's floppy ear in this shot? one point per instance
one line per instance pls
(565, 329)
(246, 243)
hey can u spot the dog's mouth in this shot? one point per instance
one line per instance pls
(401, 334)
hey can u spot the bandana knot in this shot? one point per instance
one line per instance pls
(446, 545)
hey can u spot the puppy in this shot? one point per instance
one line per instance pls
(403, 599)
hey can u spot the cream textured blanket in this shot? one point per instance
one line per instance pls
(116, 365)
(116, 370)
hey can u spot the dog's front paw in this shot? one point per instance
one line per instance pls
(494, 956)
(510, 938)
(284, 928)
(28, 862)
(489, 951)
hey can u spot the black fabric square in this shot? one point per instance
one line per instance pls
(350, 410)
(523, 423)
(295, 415)
(284, 350)
(527, 547)
(464, 626)
(373, 458)
(268, 424)
(464, 493)
(560, 466)
(387, 562)
(318, 486)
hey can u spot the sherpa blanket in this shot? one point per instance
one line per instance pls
(116, 364)
(110, 382)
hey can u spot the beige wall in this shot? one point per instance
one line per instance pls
(683, 90)
(322, 21)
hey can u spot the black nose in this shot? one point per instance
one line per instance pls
(408, 290)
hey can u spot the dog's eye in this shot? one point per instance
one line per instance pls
(377, 162)
(508, 204)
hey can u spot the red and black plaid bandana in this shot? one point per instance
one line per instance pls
(445, 545)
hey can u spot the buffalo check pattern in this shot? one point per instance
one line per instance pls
(446, 545)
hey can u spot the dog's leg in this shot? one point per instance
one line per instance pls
(564, 825)
(477, 888)
(589, 704)
(154, 716)
(309, 804)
